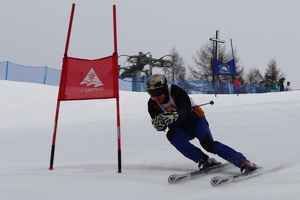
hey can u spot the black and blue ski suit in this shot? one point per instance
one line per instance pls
(191, 124)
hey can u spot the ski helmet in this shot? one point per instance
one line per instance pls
(156, 81)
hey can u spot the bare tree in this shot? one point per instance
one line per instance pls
(254, 76)
(203, 69)
(177, 71)
(203, 63)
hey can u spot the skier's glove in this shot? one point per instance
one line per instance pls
(169, 117)
(158, 123)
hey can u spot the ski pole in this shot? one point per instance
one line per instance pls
(211, 103)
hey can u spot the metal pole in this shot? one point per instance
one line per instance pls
(216, 42)
(211, 103)
(173, 72)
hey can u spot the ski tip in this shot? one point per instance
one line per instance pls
(219, 180)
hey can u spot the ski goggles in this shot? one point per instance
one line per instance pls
(155, 93)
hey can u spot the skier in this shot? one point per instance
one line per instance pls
(170, 107)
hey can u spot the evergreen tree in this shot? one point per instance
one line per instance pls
(272, 73)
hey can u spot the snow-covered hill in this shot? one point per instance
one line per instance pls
(265, 127)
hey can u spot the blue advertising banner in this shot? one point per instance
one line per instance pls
(225, 69)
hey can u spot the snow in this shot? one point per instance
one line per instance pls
(264, 127)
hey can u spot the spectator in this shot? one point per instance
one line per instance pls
(281, 84)
(288, 86)
(273, 86)
(236, 85)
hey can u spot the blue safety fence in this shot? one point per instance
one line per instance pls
(15, 72)
(49, 76)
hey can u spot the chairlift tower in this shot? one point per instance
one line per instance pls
(138, 67)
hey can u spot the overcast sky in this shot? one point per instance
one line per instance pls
(33, 32)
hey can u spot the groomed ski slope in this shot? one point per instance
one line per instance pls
(265, 127)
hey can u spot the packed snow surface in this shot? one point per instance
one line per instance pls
(264, 127)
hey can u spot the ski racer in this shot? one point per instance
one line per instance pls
(170, 107)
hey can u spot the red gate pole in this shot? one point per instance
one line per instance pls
(117, 88)
(58, 101)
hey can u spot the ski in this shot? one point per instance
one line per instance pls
(176, 178)
(219, 180)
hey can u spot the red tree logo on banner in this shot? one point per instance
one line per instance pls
(92, 79)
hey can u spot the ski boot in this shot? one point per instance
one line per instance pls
(247, 166)
(207, 162)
